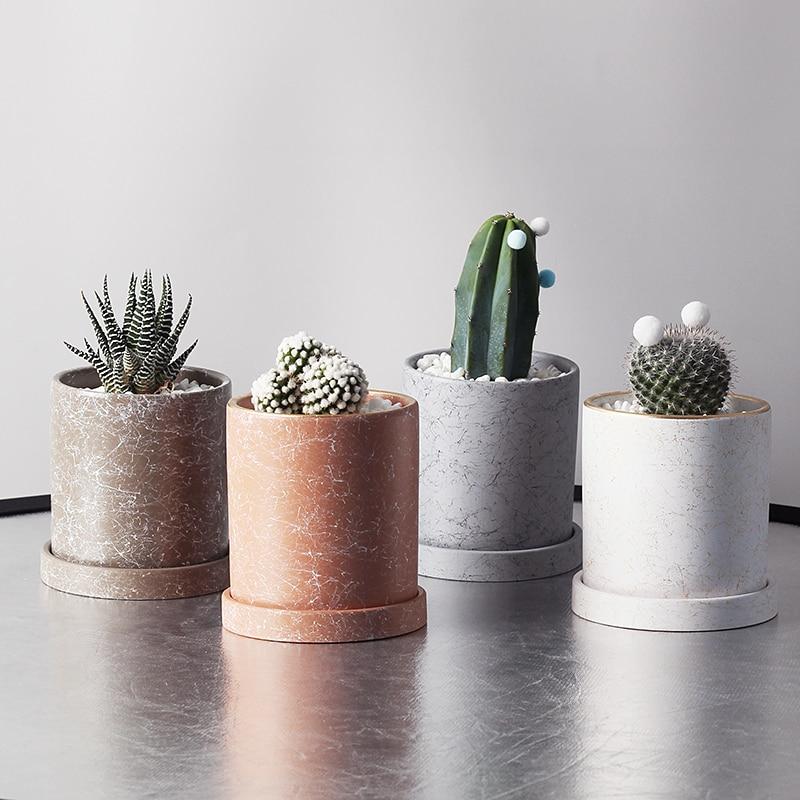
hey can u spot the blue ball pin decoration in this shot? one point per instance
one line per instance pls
(546, 278)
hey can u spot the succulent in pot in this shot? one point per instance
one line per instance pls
(498, 423)
(138, 471)
(323, 483)
(676, 489)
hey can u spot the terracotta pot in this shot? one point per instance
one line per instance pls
(323, 524)
(497, 474)
(138, 490)
(675, 513)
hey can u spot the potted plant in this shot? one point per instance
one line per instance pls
(138, 483)
(498, 423)
(323, 479)
(676, 489)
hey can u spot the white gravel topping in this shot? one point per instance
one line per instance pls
(440, 365)
(631, 407)
(373, 402)
(190, 386)
(184, 386)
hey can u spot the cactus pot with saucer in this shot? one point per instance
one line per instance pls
(498, 424)
(676, 490)
(137, 461)
(323, 504)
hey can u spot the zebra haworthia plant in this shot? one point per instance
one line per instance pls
(137, 357)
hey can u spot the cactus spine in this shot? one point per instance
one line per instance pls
(497, 302)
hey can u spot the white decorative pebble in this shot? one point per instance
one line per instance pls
(623, 405)
(516, 240)
(648, 330)
(540, 226)
(501, 379)
(374, 403)
(695, 314)
(483, 378)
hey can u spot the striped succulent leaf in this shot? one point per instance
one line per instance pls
(164, 314)
(138, 357)
(130, 307)
(143, 327)
(114, 338)
(171, 372)
(102, 339)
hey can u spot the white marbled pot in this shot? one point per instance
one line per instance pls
(675, 514)
(497, 474)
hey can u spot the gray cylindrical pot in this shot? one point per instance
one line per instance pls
(138, 490)
(497, 474)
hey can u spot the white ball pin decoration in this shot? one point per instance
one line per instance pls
(648, 330)
(540, 226)
(516, 240)
(695, 314)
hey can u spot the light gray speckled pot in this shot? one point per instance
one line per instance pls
(676, 513)
(497, 474)
(139, 490)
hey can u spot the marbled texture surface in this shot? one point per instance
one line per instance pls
(497, 467)
(676, 508)
(455, 564)
(323, 518)
(129, 583)
(673, 613)
(138, 481)
(506, 695)
(324, 624)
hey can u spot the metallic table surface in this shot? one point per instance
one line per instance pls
(505, 695)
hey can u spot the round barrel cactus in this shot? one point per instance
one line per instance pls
(680, 370)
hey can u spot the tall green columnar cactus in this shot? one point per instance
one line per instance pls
(497, 299)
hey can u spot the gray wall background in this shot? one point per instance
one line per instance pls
(324, 165)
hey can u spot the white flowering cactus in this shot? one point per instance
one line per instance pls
(276, 392)
(332, 385)
(310, 377)
(296, 352)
